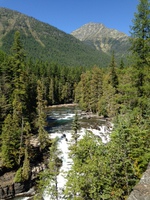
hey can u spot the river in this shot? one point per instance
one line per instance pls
(59, 120)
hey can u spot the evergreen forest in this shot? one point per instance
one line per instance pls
(119, 92)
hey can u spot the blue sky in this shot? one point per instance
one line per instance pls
(68, 15)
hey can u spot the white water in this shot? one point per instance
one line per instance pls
(64, 143)
(63, 146)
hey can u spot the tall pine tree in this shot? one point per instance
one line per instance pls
(140, 32)
(41, 116)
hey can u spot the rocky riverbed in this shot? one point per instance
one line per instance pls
(59, 120)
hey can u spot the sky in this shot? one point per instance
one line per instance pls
(69, 15)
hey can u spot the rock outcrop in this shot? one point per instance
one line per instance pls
(10, 190)
(142, 190)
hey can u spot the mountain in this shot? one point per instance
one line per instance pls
(45, 42)
(103, 39)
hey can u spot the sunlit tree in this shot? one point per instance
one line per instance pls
(140, 33)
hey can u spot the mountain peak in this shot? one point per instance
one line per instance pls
(98, 29)
(94, 24)
(103, 38)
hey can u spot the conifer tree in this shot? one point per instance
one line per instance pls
(140, 32)
(11, 136)
(10, 142)
(17, 61)
(26, 165)
(26, 162)
(95, 88)
(121, 64)
(18, 51)
(7, 80)
(114, 77)
(107, 104)
(19, 82)
(83, 92)
(4, 107)
(51, 96)
(41, 116)
(75, 128)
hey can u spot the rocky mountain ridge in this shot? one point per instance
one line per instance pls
(102, 38)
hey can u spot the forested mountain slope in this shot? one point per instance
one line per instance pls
(45, 42)
(103, 39)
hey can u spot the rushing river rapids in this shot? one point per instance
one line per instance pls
(59, 121)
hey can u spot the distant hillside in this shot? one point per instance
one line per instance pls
(103, 39)
(45, 42)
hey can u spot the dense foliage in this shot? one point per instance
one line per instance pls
(109, 171)
(99, 171)
(26, 88)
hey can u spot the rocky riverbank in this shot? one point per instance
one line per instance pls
(10, 191)
(9, 188)
(63, 105)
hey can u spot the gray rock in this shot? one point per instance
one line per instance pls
(142, 190)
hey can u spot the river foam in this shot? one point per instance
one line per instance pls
(63, 145)
(60, 125)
